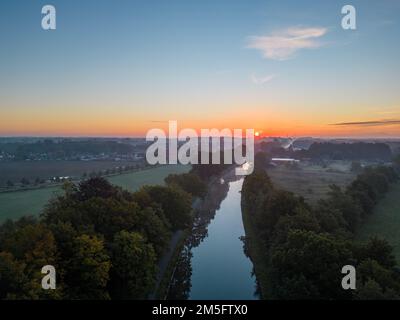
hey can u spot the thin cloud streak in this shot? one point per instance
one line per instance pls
(283, 44)
(261, 80)
(374, 123)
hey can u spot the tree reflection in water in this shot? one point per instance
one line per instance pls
(180, 284)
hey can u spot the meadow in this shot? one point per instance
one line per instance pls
(14, 205)
(385, 221)
(311, 181)
(16, 170)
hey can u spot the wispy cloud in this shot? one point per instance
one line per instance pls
(283, 44)
(373, 123)
(261, 80)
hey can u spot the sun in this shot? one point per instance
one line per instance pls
(257, 133)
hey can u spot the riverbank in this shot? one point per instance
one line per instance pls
(256, 252)
(227, 247)
(168, 262)
(168, 265)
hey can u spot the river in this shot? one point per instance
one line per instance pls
(213, 264)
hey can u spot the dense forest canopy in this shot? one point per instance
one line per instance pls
(304, 247)
(104, 242)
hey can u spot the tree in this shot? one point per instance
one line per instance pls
(25, 250)
(329, 217)
(256, 187)
(303, 262)
(175, 204)
(133, 266)
(87, 271)
(371, 290)
(370, 269)
(189, 182)
(363, 194)
(317, 259)
(350, 210)
(348, 151)
(80, 230)
(388, 171)
(155, 227)
(302, 218)
(377, 180)
(12, 277)
(10, 183)
(396, 163)
(33, 243)
(378, 250)
(96, 187)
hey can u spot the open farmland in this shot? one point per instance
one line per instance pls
(133, 181)
(310, 181)
(14, 205)
(16, 170)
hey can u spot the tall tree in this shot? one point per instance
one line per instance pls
(87, 271)
(133, 266)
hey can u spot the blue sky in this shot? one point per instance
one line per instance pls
(192, 61)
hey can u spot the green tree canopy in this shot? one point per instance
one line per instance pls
(133, 266)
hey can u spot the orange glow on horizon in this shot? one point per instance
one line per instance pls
(33, 123)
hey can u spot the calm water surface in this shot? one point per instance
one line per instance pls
(220, 268)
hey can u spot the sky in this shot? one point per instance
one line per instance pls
(122, 67)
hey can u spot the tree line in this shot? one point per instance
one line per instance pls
(65, 148)
(103, 241)
(304, 248)
(347, 151)
(332, 151)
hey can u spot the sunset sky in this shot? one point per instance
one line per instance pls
(120, 68)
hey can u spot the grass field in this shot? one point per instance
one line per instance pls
(16, 170)
(385, 221)
(14, 205)
(310, 181)
(133, 181)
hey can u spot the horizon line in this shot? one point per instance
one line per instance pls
(144, 137)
